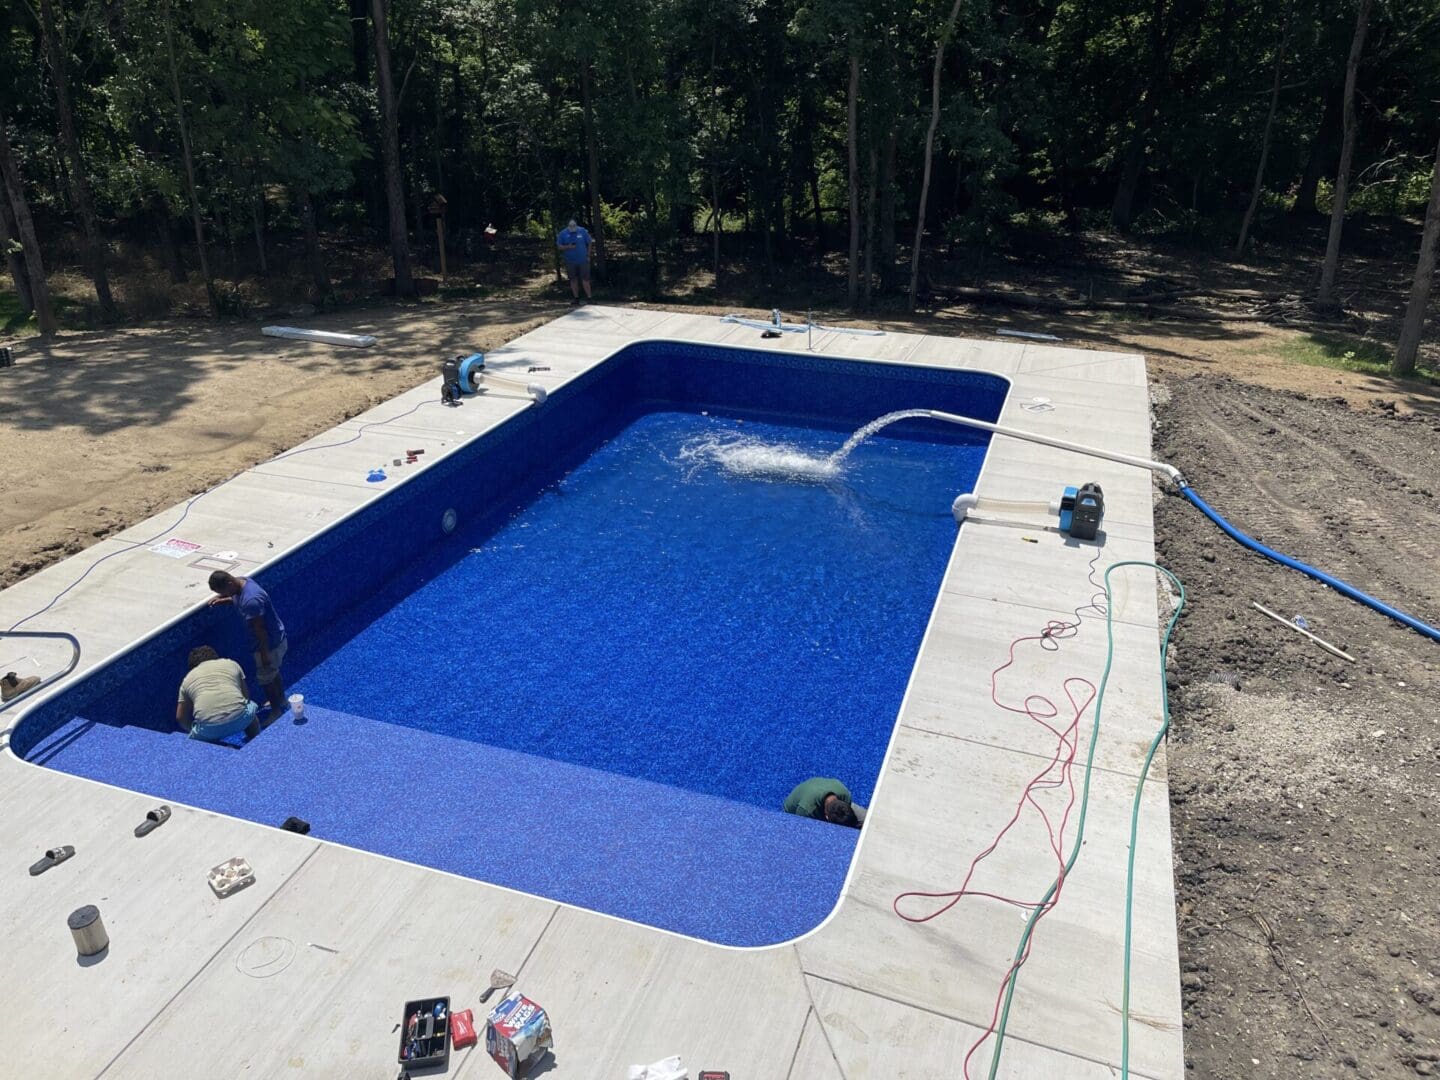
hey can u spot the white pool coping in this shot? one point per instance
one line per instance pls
(864, 994)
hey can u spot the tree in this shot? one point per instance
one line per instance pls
(14, 252)
(1122, 209)
(79, 182)
(1265, 137)
(1347, 154)
(852, 140)
(192, 191)
(946, 31)
(592, 162)
(25, 226)
(390, 149)
(1405, 352)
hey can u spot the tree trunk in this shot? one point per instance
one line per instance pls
(1265, 138)
(190, 188)
(852, 289)
(654, 239)
(886, 254)
(390, 149)
(819, 214)
(164, 231)
(359, 42)
(945, 33)
(1122, 210)
(714, 155)
(1347, 153)
(14, 260)
(79, 185)
(417, 191)
(715, 212)
(318, 277)
(1409, 347)
(25, 228)
(870, 210)
(257, 219)
(1322, 149)
(592, 165)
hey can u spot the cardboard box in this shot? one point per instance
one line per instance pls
(517, 1034)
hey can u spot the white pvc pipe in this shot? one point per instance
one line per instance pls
(324, 337)
(535, 390)
(1060, 444)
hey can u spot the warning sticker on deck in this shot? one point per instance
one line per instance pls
(176, 549)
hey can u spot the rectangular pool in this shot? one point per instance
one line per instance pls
(658, 612)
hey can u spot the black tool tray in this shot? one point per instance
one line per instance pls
(428, 1044)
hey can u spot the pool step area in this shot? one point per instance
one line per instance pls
(594, 839)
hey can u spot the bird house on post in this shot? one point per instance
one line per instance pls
(437, 211)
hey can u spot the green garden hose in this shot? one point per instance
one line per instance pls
(1084, 807)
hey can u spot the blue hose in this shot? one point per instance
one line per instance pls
(1344, 588)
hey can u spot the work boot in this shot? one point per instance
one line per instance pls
(12, 687)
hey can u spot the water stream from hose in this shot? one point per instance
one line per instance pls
(873, 427)
(758, 459)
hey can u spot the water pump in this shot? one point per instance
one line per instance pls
(461, 375)
(450, 381)
(1082, 510)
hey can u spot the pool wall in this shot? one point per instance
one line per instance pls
(494, 475)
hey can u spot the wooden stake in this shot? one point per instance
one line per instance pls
(1301, 630)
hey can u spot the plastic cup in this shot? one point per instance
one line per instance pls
(297, 705)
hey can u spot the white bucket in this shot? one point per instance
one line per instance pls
(297, 705)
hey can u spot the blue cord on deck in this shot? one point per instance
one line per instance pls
(1344, 588)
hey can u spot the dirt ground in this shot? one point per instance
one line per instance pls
(99, 430)
(1304, 787)
(1304, 792)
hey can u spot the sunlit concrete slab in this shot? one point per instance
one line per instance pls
(162, 918)
(919, 1044)
(939, 806)
(1121, 369)
(1038, 567)
(814, 1059)
(630, 996)
(336, 985)
(1005, 699)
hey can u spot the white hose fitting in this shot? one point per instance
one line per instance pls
(962, 506)
(538, 392)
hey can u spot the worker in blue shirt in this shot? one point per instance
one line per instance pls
(574, 242)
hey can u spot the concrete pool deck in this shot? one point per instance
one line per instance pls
(304, 972)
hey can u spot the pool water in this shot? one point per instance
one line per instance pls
(662, 608)
(657, 615)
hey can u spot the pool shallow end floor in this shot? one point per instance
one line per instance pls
(598, 840)
(864, 993)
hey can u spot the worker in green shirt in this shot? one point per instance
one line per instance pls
(825, 799)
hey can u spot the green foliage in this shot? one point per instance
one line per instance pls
(14, 321)
(1346, 352)
(736, 104)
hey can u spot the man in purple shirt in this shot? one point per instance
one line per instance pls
(266, 630)
(574, 242)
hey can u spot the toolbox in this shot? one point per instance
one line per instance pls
(425, 1033)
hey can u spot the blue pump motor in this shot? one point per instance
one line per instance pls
(1082, 510)
(470, 366)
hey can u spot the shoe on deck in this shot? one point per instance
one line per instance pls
(12, 687)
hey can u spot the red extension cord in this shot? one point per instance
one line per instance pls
(1059, 772)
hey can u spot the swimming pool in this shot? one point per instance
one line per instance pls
(602, 683)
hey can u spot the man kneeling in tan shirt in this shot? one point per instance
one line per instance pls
(214, 702)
